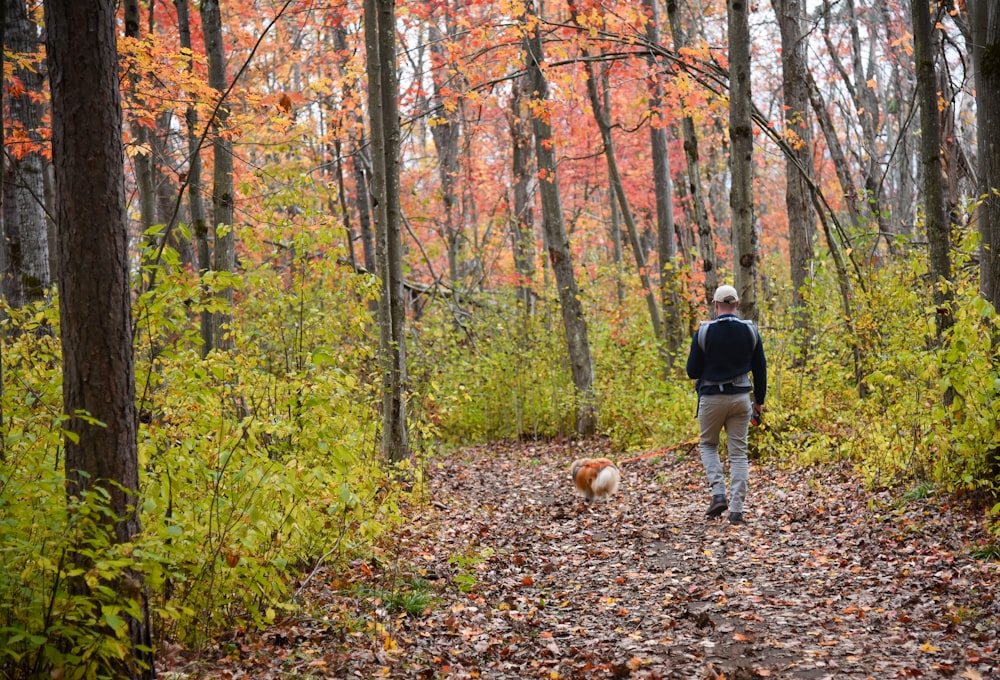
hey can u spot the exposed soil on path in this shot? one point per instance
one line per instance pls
(826, 581)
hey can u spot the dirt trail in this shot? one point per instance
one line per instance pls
(826, 580)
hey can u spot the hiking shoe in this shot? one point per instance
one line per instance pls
(718, 506)
(736, 518)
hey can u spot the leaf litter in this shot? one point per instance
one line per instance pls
(507, 573)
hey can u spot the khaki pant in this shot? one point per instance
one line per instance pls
(730, 411)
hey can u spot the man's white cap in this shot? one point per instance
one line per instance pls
(726, 294)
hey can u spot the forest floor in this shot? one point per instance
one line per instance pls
(507, 574)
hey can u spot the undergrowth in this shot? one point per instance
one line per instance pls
(260, 463)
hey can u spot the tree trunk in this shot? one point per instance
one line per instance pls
(935, 220)
(985, 21)
(95, 295)
(26, 276)
(196, 207)
(698, 209)
(868, 111)
(445, 131)
(222, 176)
(602, 118)
(360, 164)
(798, 135)
(673, 334)
(574, 324)
(383, 106)
(143, 160)
(741, 159)
(523, 222)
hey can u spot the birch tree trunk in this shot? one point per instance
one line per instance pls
(383, 107)
(94, 283)
(574, 324)
(741, 159)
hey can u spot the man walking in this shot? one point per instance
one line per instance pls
(723, 352)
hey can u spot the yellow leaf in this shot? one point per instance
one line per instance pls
(928, 648)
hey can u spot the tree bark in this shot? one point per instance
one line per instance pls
(744, 236)
(935, 220)
(798, 134)
(94, 282)
(196, 206)
(985, 21)
(523, 222)
(26, 275)
(224, 257)
(446, 130)
(673, 334)
(574, 323)
(698, 208)
(361, 165)
(602, 118)
(383, 106)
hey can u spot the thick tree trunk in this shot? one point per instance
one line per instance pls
(383, 106)
(697, 206)
(798, 134)
(26, 276)
(523, 222)
(94, 282)
(574, 323)
(741, 159)
(224, 257)
(935, 219)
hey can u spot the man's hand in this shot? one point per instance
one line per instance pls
(758, 413)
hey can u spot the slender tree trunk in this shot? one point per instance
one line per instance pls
(26, 276)
(673, 333)
(143, 159)
(523, 222)
(196, 206)
(222, 176)
(935, 220)
(798, 134)
(698, 209)
(94, 282)
(602, 118)
(574, 324)
(985, 21)
(837, 155)
(446, 131)
(741, 159)
(868, 111)
(383, 92)
(361, 165)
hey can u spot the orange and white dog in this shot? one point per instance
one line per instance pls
(595, 477)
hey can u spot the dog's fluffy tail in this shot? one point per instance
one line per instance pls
(607, 481)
